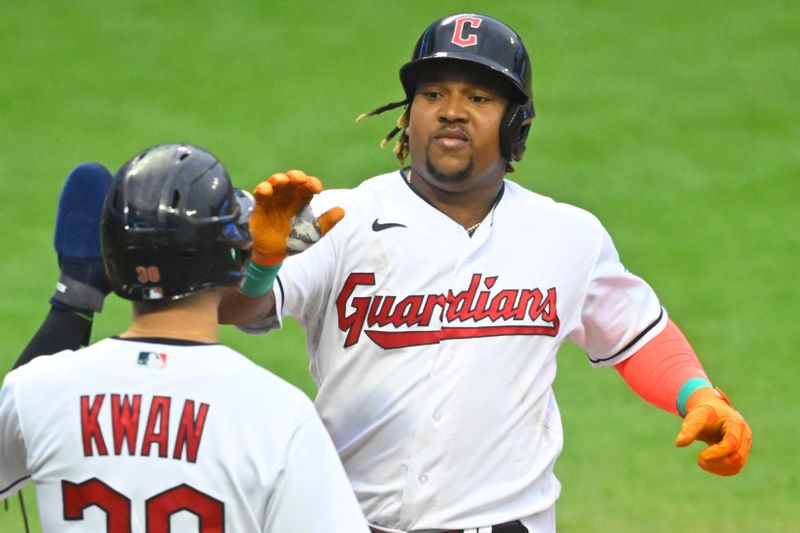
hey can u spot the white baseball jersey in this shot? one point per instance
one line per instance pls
(434, 353)
(152, 437)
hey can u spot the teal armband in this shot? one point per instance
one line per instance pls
(686, 390)
(259, 279)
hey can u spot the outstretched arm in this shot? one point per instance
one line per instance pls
(238, 308)
(282, 224)
(82, 284)
(667, 373)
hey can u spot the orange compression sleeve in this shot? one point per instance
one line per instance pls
(665, 370)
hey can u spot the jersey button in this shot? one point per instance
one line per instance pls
(423, 479)
(437, 415)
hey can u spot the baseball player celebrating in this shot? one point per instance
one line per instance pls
(162, 428)
(434, 311)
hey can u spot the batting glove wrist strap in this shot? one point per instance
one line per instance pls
(687, 389)
(259, 279)
(77, 296)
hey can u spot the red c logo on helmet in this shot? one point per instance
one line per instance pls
(458, 34)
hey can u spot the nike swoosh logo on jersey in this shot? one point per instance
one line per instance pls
(377, 226)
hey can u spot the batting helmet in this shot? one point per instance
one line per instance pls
(173, 225)
(486, 41)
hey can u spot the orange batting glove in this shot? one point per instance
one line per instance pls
(279, 200)
(710, 418)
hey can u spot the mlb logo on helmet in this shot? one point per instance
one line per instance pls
(153, 359)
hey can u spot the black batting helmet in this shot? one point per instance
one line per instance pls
(173, 225)
(488, 42)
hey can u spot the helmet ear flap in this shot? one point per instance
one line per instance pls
(514, 130)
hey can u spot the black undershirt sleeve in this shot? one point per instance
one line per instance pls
(61, 330)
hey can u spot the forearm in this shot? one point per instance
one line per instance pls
(237, 308)
(665, 371)
(61, 330)
(254, 300)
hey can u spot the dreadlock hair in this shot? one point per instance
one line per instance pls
(401, 146)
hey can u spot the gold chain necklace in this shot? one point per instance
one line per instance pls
(470, 230)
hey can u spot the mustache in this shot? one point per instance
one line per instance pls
(451, 131)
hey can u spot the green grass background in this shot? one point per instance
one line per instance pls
(677, 123)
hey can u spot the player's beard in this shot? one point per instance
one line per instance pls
(452, 177)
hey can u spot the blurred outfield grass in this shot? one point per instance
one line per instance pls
(677, 123)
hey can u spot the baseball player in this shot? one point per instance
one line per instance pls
(434, 311)
(161, 428)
